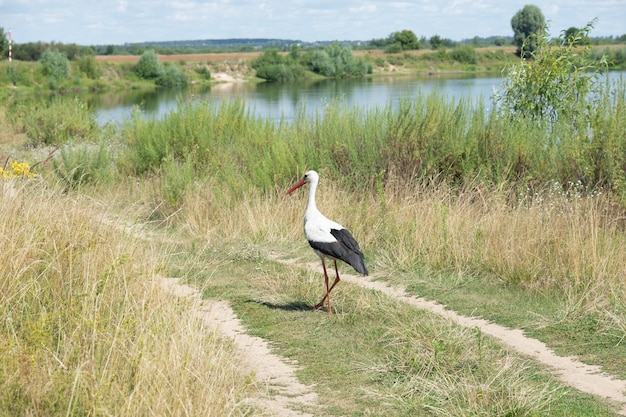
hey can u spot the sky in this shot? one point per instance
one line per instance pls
(118, 22)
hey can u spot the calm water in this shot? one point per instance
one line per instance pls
(282, 101)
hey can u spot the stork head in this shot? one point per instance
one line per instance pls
(309, 177)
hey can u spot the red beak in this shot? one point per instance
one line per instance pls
(296, 186)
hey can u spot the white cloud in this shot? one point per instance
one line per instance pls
(309, 20)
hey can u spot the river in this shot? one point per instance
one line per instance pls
(277, 101)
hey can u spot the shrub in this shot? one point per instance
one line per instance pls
(271, 66)
(204, 72)
(55, 65)
(88, 66)
(18, 75)
(57, 121)
(465, 54)
(171, 76)
(83, 164)
(338, 62)
(148, 66)
(393, 48)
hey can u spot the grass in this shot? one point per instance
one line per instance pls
(458, 205)
(377, 356)
(85, 328)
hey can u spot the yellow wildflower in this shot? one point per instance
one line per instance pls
(18, 169)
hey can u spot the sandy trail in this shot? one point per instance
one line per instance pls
(586, 378)
(285, 393)
(280, 377)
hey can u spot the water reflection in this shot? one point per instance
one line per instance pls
(283, 101)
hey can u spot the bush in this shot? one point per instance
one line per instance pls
(54, 122)
(55, 65)
(338, 62)
(393, 48)
(171, 76)
(148, 66)
(83, 164)
(18, 75)
(204, 72)
(465, 54)
(88, 66)
(280, 72)
(271, 66)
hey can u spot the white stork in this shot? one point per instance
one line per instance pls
(327, 238)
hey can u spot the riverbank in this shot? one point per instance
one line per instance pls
(237, 65)
(116, 72)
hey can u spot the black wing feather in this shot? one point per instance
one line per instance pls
(346, 249)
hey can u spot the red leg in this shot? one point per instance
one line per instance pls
(328, 290)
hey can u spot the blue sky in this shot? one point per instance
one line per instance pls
(120, 21)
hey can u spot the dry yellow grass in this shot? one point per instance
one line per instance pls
(554, 240)
(85, 328)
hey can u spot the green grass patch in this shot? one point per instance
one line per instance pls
(376, 356)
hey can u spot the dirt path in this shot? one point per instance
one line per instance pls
(586, 378)
(285, 394)
(290, 394)
(280, 377)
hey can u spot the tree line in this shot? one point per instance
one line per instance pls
(526, 24)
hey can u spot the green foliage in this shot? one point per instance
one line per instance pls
(83, 164)
(148, 66)
(204, 72)
(171, 76)
(426, 137)
(437, 42)
(334, 61)
(576, 37)
(393, 48)
(175, 178)
(338, 62)
(88, 66)
(465, 54)
(557, 83)
(17, 74)
(274, 67)
(55, 65)
(57, 121)
(4, 44)
(527, 25)
(406, 39)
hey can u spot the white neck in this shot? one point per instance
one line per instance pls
(311, 207)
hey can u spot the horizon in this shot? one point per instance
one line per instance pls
(120, 22)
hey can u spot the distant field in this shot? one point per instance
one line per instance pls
(187, 57)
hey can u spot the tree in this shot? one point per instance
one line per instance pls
(4, 44)
(527, 25)
(576, 36)
(435, 42)
(55, 65)
(339, 62)
(406, 39)
(148, 66)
